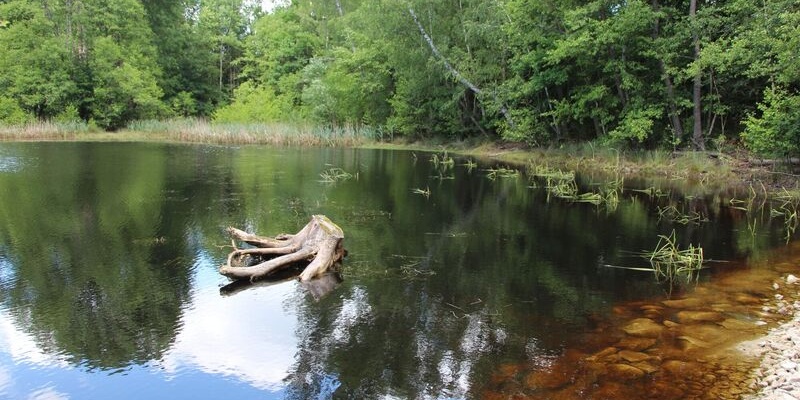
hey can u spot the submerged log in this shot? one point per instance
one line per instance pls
(319, 243)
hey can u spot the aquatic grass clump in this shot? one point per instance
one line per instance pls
(336, 174)
(788, 210)
(672, 213)
(754, 200)
(564, 186)
(558, 183)
(611, 192)
(787, 195)
(423, 192)
(590, 197)
(545, 172)
(442, 160)
(653, 192)
(443, 164)
(670, 262)
(470, 165)
(501, 172)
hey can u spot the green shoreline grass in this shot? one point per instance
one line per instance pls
(713, 171)
(195, 131)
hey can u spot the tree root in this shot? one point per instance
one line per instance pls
(319, 243)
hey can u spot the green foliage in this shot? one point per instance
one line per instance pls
(636, 125)
(123, 91)
(223, 26)
(34, 62)
(532, 71)
(530, 127)
(69, 114)
(184, 104)
(777, 130)
(11, 113)
(254, 104)
(189, 79)
(352, 89)
(282, 44)
(107, 62)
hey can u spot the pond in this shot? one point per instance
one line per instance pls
(456, 272)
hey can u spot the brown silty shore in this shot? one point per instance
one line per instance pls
(679, 348)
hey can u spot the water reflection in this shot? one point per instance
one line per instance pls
(108, 256)
(23, 348)
(249, 337)
(92, 279)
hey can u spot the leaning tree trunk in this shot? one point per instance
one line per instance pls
(454, 72)
(319, 242)
(697, 86)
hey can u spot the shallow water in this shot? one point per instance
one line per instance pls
(678, 348)
(108, 282)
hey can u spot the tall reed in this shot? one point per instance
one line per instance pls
(281, 134)
(43, 130)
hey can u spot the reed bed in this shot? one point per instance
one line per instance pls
(277, 134)
(197, 130)
(43, 130)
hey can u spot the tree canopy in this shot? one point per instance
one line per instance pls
(641, 73)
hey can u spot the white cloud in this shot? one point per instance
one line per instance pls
(5, 380)
(47, 393)
(22, 347)
(219, 337)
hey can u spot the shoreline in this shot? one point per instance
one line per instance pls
(777, 377)
(734, 170)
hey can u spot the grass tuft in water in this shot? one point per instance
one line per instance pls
(470, 165)
(562, 184)
(501, 172)
(669, 262)
(442, 160)
(545, 172)
(672, 213)
(336, 174)
(788, 210)
(653, 192)
(424, 192)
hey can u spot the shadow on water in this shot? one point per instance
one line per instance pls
(318, 287)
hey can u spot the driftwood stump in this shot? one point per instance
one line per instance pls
(319, 242)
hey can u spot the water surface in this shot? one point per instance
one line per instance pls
(109, 289)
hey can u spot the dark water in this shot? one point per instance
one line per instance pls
(109, 289)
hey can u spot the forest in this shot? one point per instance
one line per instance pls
(635, 73)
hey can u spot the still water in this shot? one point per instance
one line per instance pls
(109, 285)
